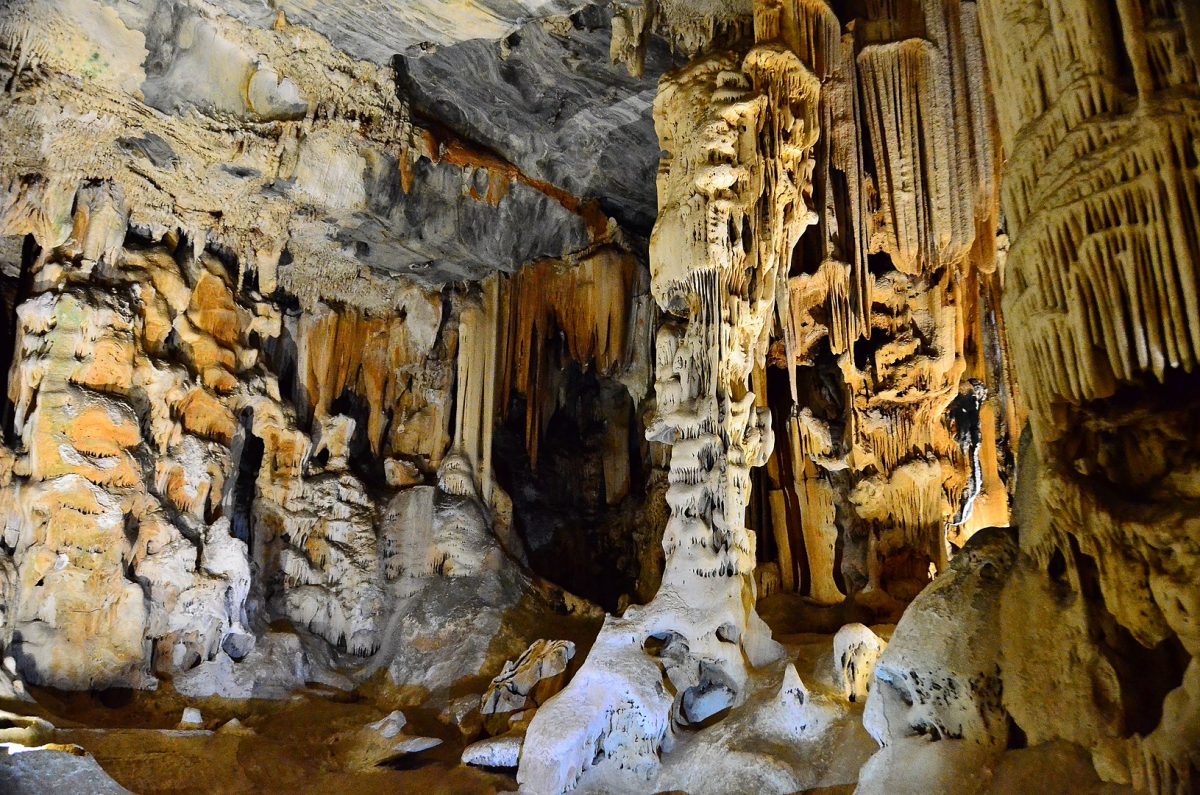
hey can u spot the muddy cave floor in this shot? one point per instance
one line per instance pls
(299, 744)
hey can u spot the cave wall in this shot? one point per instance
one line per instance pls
(216, 383)
(1099, 195)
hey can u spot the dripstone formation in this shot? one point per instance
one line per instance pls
(600, 395)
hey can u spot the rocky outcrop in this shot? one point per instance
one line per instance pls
(939, 677)
(531, 678)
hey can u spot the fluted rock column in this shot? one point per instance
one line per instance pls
(1099, 112)
(738, 135)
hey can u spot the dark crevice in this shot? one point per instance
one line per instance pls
(245, 482)
(12, 294)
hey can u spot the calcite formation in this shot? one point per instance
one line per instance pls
(894, 453)
(729, 219)
(1098, 294)
(642, 395)
(1102, 278)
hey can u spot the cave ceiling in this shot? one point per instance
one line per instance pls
(516, 104)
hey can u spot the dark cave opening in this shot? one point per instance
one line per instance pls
(14, 289)
(245, 488)
(579, 534)
(1146, 674)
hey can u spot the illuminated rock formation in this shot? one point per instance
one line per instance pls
(1101, 292)
(732, 199)
(1099, 295)
(539, 668)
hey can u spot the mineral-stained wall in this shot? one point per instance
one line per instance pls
(157, 473)
(893, 453)
(215, 386)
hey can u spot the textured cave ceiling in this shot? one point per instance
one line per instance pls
(378, 30)
(528, 85)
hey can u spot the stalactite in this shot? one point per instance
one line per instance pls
(890, 290)
(388, 362)
(588, 305)
(1097, 113)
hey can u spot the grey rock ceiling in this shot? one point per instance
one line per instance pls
(547, 99)
(529, 82)
(376, 30)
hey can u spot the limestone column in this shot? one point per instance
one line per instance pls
(737, 134)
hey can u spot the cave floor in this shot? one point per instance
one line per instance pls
(284, 746)
(299, 744)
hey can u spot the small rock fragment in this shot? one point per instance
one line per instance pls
(535, 675)
(390, 726)
(502, 751)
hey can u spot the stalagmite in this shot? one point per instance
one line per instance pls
(732, 199)
(817, 508)
(856, 652)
